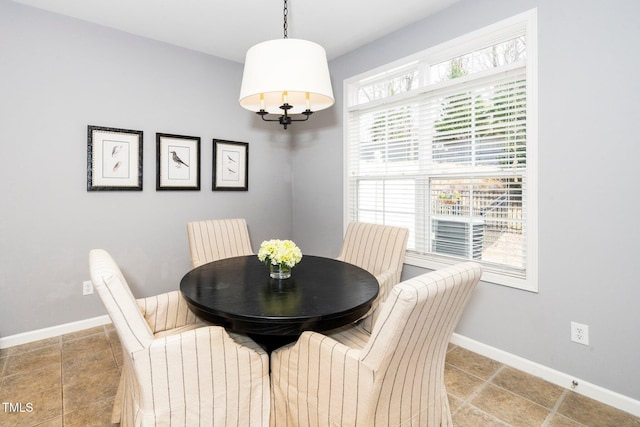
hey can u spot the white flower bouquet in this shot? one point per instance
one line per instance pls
(283, 253)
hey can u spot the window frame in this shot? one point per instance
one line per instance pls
(500, 31)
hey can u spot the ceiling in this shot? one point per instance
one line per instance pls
(228, 28)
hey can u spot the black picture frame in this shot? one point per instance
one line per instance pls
(114, 159)
(230, 165)
(177, 162)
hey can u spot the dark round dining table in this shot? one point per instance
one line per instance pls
(237, 293)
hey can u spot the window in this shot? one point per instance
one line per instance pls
(444, 143)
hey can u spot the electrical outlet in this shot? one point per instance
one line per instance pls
(580, 333)
(87, 287)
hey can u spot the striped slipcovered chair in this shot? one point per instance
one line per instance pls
(215, 239)
(176, 370)
(392, 377)
(380, 250)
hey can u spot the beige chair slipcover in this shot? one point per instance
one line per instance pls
(392, 377)
(176, 370)
(216, 239)
(379, 249)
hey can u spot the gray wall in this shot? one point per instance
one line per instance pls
(589, 108)
(58, 75)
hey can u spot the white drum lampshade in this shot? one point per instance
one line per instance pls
(286, 71)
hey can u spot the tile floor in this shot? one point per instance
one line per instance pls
(71, 380)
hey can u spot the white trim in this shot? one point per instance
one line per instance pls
(608, 397)
(533, 153)
(497, 278)
(477, 39)
(53, 331)
(522, 24)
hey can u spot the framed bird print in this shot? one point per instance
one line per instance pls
(177, 162)
(230, 165)
(114, 159)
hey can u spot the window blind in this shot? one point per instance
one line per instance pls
(449, 162)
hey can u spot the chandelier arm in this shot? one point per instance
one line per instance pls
(263, 115)
(306, 113)
(291, 118)
(284, 119)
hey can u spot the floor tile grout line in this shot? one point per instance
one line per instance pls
(70, 340)
(467, 402)
(520, 396)
(487, 414)
(112, 346)
(478, 390)
(66, 413)
(489, 381)
(4, 363)
(61, 382)
(554, 410)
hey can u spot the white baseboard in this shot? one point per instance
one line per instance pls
(53, 331)
(561, 379)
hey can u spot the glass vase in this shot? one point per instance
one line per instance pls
(279, 271)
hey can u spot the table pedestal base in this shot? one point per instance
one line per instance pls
(272, 342)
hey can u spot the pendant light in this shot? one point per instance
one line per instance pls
(286, 80)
